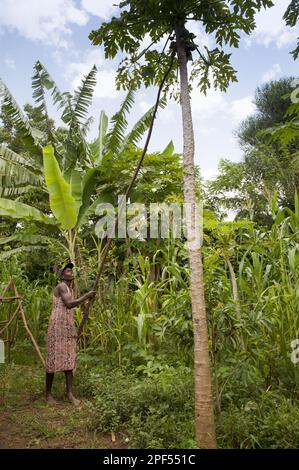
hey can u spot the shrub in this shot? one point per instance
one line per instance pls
(151, 412)
(268, 423)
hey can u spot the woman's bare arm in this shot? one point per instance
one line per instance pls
(67, 299)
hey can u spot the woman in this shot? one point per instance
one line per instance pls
(62, 334)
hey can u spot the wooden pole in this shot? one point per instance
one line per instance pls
(10, 320)
(123, 201)
(26, 326)
(8, 299)
(6, 288)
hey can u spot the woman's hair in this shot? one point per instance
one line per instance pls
(68, 265)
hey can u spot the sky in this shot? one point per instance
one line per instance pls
(56, 33)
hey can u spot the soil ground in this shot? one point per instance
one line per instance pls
(27, 421)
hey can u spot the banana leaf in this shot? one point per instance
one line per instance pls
(97, 146)
(18, 210)
(62, 202)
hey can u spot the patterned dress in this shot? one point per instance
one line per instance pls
(61, 337)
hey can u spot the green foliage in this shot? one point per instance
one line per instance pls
(235, 188)
(140, 329)
(62, 202)
(161, 20)
(266, 423)
(18, 210)
(119, 122)
(271, 101)
(270, 158)
(17, 175)
(30, 135)
(140, 383)
(97, 146)
(291, 17)
(151, 412)
(217, 65)
(74, 179)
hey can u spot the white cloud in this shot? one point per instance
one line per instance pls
(202, 39)
(206, 131)
(10, 64)
(170, 116)
(271, 73)
(271, 28)
(147, 41)
(105, 87)
(206, 106)
(209, 173)
(102, 8)
(240, 109)
(144, 106)
(214, 104)
(45, 21)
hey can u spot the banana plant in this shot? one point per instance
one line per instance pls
(68, 170)
(66, 203)
(17, 174)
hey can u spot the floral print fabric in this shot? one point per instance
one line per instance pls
(61, 338)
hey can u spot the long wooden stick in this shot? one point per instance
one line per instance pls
(8, 299)
(27, 328)
(10, 320)
(7, 287)
(124, 198)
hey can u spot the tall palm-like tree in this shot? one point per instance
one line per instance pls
(157, 19)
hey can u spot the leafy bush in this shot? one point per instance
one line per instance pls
(153, 407)
(151, 412)
(270, 422)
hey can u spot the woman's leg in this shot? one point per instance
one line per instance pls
(49, 382)
(69, 387)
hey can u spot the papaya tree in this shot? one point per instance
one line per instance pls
(157, 20)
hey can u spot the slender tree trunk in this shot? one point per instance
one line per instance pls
(72, 254)
(204, 415)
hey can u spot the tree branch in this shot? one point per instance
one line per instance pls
(122, 203)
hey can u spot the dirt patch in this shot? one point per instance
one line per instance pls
(27, 421)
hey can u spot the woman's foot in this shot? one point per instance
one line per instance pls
(51, 400)
(73, 400)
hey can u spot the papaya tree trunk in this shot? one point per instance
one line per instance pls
(204, 415)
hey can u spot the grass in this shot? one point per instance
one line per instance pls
(147, 407)
(27, 421)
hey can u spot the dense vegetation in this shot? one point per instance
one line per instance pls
(136, 359)
(176, 327)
